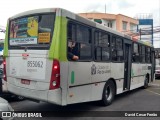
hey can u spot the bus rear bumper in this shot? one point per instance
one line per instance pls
(51, 96)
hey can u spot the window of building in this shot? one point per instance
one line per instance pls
(133, 27)
(98, 21)
(110, 24)
(124, 25)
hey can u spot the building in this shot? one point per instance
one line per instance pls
(117, 22)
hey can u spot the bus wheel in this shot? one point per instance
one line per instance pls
(146, 82)
(108, 93)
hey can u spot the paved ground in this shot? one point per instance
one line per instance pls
(156, 82)
(155, 87)
(136, 100)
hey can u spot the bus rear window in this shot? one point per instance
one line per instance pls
(33, 32)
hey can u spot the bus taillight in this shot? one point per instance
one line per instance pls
(4, 70)
(55, 76)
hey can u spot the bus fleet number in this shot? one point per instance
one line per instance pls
(35, 64)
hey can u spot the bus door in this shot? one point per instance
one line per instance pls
(127, 65)
(153, 64)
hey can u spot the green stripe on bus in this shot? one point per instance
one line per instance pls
(5, 52)
(72, 77)
(132, 73)
(58, 46)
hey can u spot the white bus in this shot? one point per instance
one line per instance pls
(39, 64)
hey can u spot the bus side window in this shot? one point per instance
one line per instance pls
(117, 49)
(84, 39)
(143, 54)
(135, 56)
(114, 53)
(102, 46)
(72, 50)
(72, 45)
(148, 55)
(85, 51)
(81, 36)
(71, 35)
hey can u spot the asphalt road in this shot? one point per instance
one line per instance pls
(136, 100)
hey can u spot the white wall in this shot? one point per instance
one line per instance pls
(113, 22)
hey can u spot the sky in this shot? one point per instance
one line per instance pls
(130, 8)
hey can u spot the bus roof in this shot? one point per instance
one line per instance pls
(35, 11)
(66, 13)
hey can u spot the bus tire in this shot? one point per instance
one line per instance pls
(109, 92)
(146, 81)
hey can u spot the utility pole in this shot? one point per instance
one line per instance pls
(140, 33)
(152, 32)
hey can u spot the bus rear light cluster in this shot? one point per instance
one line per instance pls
(4, 70)
(55, 75)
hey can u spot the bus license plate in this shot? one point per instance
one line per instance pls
(27, 82)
